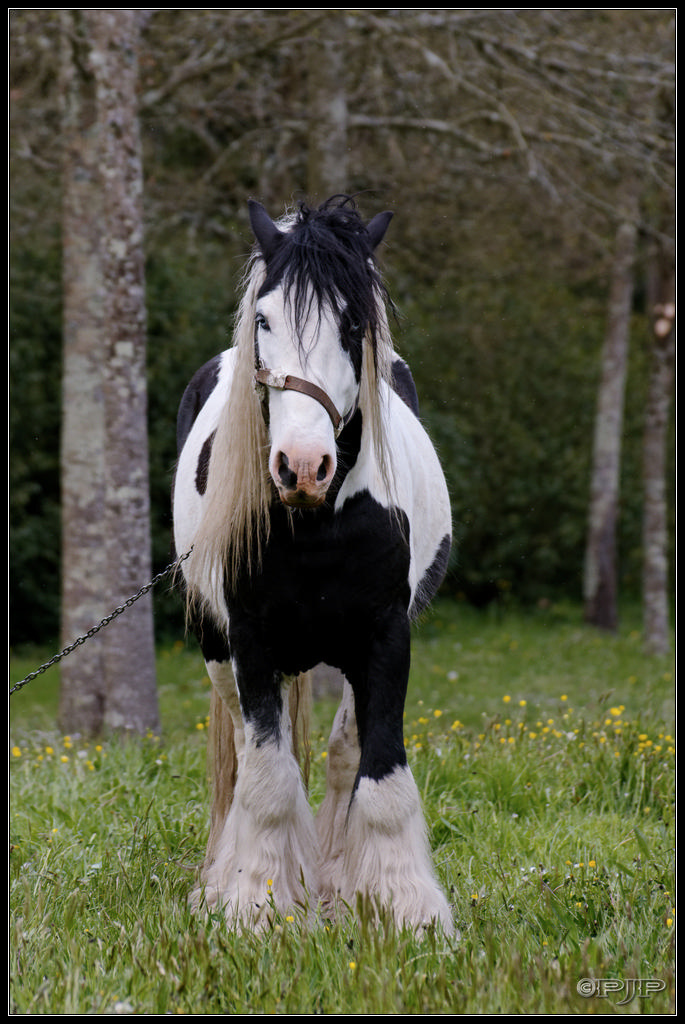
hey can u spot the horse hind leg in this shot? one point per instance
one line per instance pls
(342, 764)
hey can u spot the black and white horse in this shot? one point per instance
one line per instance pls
(319, 522)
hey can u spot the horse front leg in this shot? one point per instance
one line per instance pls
(264, 855)
(385, 849)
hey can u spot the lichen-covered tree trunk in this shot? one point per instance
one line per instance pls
(131, 697)
(600, 579)
(82, 691)
(109, 683)
(327, 159)
(655, 515)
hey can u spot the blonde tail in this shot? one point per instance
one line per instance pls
(222, 764)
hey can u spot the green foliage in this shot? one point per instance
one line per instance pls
(543, 752)
(506, 374)
(509, 372)
(35, 360)
(190, 305)
(190, 308)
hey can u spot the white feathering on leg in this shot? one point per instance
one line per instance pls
(386, 854)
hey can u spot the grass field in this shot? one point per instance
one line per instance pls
(545, 756)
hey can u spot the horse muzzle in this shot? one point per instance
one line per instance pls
(303, 477)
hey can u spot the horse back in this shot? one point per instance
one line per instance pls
(200, 387)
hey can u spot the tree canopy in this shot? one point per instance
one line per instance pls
(502, 140)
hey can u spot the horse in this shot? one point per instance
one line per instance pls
(317, 518)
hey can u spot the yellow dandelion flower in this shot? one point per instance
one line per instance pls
(506, 699)
(16, 752)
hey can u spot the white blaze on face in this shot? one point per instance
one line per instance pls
(302, 459)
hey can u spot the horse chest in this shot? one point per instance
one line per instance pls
(324, 580)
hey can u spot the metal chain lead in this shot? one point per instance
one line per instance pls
(104, 622)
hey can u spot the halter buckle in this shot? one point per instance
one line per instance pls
(265, 378)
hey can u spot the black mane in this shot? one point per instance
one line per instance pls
(326, 257)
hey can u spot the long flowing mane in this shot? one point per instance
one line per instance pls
(325, 257)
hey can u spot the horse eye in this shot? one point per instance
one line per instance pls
(261, 321)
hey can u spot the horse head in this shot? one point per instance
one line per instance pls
(314, 313)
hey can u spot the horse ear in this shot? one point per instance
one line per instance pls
(377, 227)
(265, 231)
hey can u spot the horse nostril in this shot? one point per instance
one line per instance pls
(324, 468)
(287, 477)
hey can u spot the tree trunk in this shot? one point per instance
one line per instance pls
(600, 581)
(82, 692)
(129, 641)
(327, 170)
(655, 521)
(110, 683)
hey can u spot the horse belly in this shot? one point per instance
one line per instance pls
(418, 490)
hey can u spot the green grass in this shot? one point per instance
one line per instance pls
(544, 754)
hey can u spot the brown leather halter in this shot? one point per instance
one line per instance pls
(265, 378)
